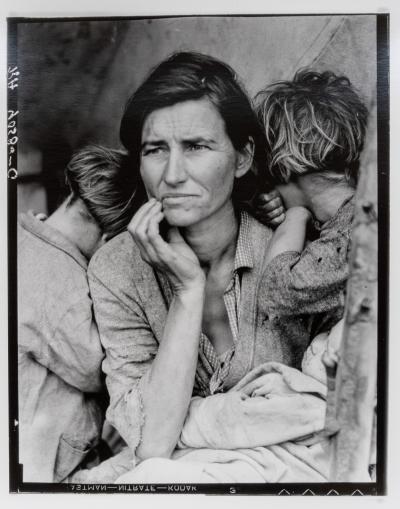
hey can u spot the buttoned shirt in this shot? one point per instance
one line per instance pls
(212, 368)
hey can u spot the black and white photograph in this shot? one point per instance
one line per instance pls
(198, 253)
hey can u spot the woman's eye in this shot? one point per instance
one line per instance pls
(152, 151)
(197, 147)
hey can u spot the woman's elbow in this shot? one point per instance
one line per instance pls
(147, 451)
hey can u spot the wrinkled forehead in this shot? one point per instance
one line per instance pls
(191, 118)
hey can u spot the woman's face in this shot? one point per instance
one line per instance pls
(188, 161)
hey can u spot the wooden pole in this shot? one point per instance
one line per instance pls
(351, 407)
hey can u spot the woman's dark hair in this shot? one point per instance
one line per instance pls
(102, 179)
(189, 76)
(315, 123)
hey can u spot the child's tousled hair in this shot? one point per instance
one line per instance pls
(102, 179)
(315, 123)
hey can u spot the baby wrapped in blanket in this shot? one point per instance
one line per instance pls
(265, 429)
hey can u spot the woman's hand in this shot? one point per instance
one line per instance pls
(267, 385)
(167, 387)
(174, 257)
(268, 208)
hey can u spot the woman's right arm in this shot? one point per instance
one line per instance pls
(169, 383)
(151, 385)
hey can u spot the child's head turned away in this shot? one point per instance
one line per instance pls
(313, 124)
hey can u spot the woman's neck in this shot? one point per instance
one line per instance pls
(214, 239)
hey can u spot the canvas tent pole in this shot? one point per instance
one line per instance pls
(351, 405)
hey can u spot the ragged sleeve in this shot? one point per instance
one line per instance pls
(130, 348)
(74, 351)
(313, 281)
(62, 336)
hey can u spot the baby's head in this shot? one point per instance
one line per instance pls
(314, 124)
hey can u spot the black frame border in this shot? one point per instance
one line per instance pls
(16, 485)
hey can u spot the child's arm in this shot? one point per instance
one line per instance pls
(304, 281)
(291, 234)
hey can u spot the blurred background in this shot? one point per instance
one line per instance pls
(76, 76)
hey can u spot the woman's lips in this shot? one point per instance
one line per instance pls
(176, 199)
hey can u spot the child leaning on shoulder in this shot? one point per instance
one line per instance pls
(315, 129)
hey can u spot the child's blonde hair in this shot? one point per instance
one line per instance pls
(315, 123)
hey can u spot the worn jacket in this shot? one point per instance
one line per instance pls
(131, 306)
(60, 355)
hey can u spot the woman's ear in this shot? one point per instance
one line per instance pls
(245, 159)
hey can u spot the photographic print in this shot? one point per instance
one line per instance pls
(198, 254)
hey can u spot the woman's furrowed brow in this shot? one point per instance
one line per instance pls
(198, 139)
(154, 142)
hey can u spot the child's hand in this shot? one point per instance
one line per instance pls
(269, 209)
(331, 356)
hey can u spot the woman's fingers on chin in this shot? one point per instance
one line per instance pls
(141, 226)
(154, 237)
(142, 211)
(142, 215)
(141, 237)
(150, 212)
(153, 229)
(140, 232)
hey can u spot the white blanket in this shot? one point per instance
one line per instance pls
(264, 430)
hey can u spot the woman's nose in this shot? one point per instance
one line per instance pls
(175, 172)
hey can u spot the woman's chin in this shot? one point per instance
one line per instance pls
(179, 218)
